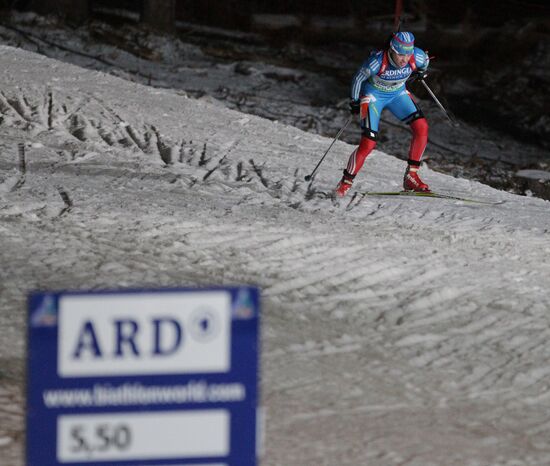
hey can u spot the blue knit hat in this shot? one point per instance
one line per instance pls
(402, 43)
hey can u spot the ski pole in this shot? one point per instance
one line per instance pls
(308, 177)
(436, 100)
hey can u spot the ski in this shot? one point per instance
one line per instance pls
(431, 194)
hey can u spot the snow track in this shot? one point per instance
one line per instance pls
(396, 331)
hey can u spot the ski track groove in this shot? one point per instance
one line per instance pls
(95, 132)
(313, 255)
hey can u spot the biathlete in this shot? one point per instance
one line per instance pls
(380, 84)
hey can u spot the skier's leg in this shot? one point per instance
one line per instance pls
(411, 180)
(406, 109)
(358, 156)
(370, 117)
(419, 127)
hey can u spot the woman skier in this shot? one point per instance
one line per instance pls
(379, 84)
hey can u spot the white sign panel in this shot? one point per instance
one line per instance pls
(144, 334)
(130, 436)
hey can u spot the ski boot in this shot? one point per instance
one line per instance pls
(345, 184)
(412, 182)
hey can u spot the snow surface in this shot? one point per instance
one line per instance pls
(396, 331)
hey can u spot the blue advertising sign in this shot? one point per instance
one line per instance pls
(143, 377)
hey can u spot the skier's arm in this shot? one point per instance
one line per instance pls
(360, 77)
(422, 60)
(368, 69)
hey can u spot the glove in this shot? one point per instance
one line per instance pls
(420, 74)
(354, 107)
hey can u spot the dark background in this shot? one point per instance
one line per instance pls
(500, 48)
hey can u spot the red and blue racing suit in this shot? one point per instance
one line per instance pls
(380, 84)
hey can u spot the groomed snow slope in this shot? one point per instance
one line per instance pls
(396, 331)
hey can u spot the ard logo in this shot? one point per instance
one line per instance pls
(107, 335)
(125, 341)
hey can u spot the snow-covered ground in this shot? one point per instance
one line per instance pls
(396, 331)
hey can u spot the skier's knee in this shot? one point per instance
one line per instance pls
(366, 145)
(417, 115)
(370, 134)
